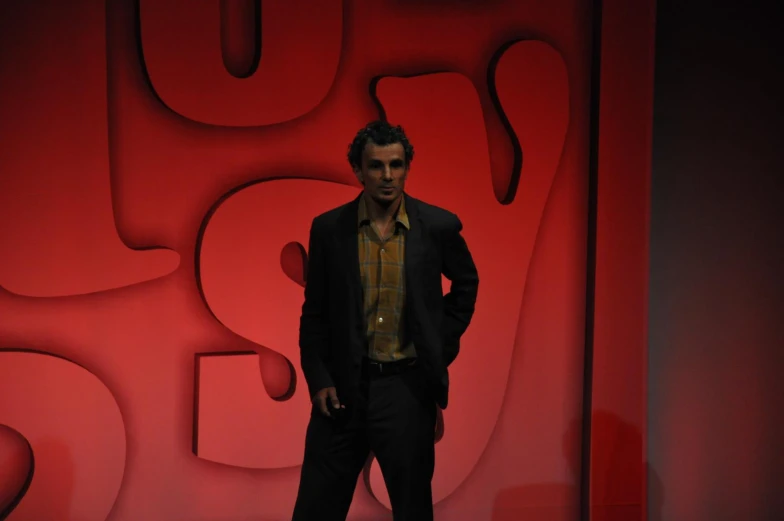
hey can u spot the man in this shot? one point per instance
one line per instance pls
(377, 334)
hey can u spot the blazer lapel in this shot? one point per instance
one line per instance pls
(348, 243)
(414, 247)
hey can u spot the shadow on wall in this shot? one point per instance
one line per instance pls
(560, 501)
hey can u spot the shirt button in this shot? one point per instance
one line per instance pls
(383, 250)
(380, 319)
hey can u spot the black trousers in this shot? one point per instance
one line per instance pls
(394, 418)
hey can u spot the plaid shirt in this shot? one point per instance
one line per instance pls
(383, 280)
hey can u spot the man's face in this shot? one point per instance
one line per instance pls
(383, 172)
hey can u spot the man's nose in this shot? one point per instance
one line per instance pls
(387, 173)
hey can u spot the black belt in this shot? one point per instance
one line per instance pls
(390, 368)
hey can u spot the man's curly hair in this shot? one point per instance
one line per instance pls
(380, 133)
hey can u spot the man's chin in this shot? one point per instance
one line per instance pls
(386, 199)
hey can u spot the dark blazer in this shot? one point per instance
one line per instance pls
(332, 326)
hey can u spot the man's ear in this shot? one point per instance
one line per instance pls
(358, 173)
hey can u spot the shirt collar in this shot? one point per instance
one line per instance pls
(401, 216)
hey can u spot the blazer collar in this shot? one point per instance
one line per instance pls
(412, 207)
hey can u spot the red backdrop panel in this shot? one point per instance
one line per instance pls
(160, 167)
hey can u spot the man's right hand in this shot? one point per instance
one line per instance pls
(324, 396)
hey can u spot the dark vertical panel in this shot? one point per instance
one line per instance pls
(717, 254)
(590, 278)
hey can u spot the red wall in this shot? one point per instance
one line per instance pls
(153, 204)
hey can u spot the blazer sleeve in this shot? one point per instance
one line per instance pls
(459, 302)
(314, 331)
